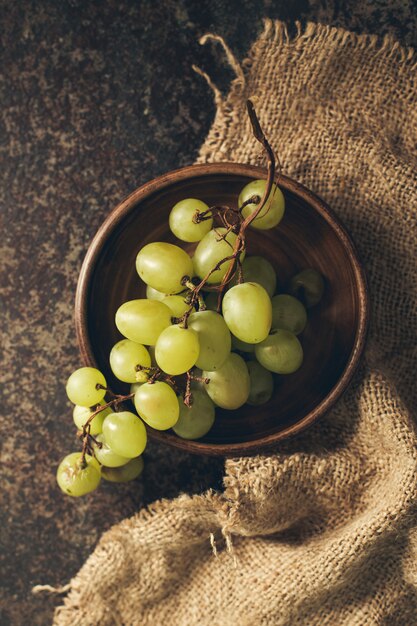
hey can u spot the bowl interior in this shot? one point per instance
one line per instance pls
(308, 236)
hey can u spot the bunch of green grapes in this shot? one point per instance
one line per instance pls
(210, 333)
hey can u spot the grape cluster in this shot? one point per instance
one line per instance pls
(210, 333)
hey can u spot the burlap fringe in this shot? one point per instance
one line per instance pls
(276, 33)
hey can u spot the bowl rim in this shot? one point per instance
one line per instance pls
(118, 213)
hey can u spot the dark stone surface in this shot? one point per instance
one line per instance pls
(97, 98)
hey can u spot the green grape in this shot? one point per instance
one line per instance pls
(247, 311)
(75, 480)
(163, 265)
(308, 286)
(157, 405)
(143, 320)
(106, 456)
(82, 386)
(154, 294)
(176, 350)
(261, 383)
(210, 251)
(82, 413)
(125, 473)
(195, 421)
(177, 304)
(256, 269)
(242, 346)
(181, 220)
(229, 385)
(125, 433)
(214, 338)
(273, 210)
(281, 352)
(288, 313)
(125, 357)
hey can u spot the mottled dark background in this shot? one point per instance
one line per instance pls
(97, 97)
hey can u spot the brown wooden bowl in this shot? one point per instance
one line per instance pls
(309, 236)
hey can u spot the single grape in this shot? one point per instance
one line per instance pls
(143, 320)
(273, 210)
(176, 350)
(154, 294)
(256, 269)
(163, 265)
(288, 313)
(281, 352)
(261, 383)
(242, 346)
(247, 311)
(125, 433)
(214, 339)
(82, 413)
(76, 480)
(308, 286)
(125, 357)
(229, 385)
(157, 405)
(177, 304)
(82, 386)
(210, 251)
(106, 456)
(125, 473)
(195, 421)
(181, 220)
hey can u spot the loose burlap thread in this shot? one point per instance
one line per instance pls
(324, 530)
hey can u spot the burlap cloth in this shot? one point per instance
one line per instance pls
(323, 531)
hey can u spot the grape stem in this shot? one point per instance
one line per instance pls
(188, 396)
(239, 227)
(87, 426)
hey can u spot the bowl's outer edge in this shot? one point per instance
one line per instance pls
(250, 171)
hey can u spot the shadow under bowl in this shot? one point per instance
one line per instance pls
(308, 236)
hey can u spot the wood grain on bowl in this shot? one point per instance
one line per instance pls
(309, 235)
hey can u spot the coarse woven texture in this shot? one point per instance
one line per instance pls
(324, 530)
